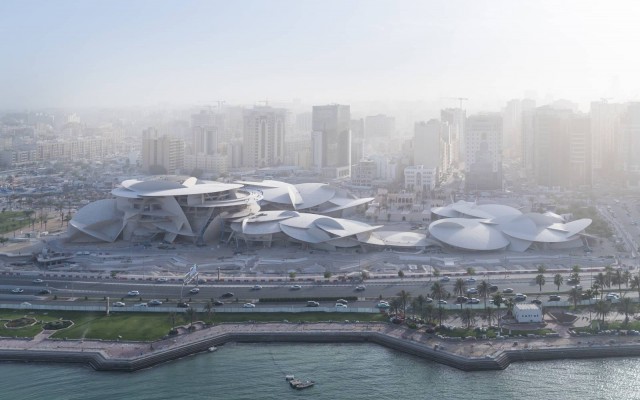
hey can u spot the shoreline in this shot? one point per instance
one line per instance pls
(466, 355)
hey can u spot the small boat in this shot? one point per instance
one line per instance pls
(212, 349)
(289, 378)
(298, 384)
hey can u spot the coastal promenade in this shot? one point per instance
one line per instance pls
(466, 355)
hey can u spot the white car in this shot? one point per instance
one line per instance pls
(194, 290)
(133, 293)
(118, 304)
(360, 288)
(162, 280)
(341, 305)
(140, 305)
(37, 280)
(17, 290)
(445, 279)
(248, 305)
(296, 287)
(256, 287)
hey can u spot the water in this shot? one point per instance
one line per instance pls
(348, 371)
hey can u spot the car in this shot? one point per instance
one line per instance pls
(343, 301)
(340, 305)
(296, 287)
(428, 300)
(473, 300)
(445, 279)
(462, 299)
(536, 301)
(183, 305)
(519, 297)
(227, 295)
(472, 291)
(442, 302)
(133, 293)
(573, 281)
(162, 280)
(37, 280)
(577, 287)
(360, 288)
(470, 280)
(154, 302)
(507, 290)
(45, 291)
(256, 287)
(140, 305)
(194, 290)
(25, 304)
(383, 305)
(313, 304)
(493, 288)
(118, 304)
(17, 290)
(248, 305)
(218, 303)
(554, 297)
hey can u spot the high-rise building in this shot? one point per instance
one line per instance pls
(561, 148)
(332, 140)
(161, 153)
(427, 149)
(453, 120)
(357, 140)
(483, 148)
(379, 126)
(264, 136)
(630, 143)
(513, 126)
(605, 135)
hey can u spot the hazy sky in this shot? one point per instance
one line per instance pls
(115, 53)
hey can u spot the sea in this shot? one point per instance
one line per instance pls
(341, 371)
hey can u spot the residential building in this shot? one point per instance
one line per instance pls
(331, 140)
(264, 137)
(483, 147)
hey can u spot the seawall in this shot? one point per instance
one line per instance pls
(497, 360)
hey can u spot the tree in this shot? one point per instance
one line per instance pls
(400, 274)
(292, 275)
(627, 308)
(483, 291)
(172, 319)
(617, 278)
(558, 280)
(471, 271)
(602, 309)
(600, 280)
(509, 304)
(418, 304)
(542, 269)
(404, 297)
(190, 314)
(608, 275)
(438, 292)
(468, 317)
(635, 283)
(427, 313)
(327, 275)
(497, 301)
(490, 314)
(208, 307)
(575, 297)
(575, 273)
(395, 304)
(459, 288)
(626, 276)
(540, 281)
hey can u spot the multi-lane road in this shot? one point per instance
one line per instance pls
(95, 291)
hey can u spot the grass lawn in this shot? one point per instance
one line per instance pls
(153, 326)
(13, 220)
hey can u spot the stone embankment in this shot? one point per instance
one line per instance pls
(128, 357)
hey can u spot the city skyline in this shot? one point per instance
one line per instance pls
(142, 53)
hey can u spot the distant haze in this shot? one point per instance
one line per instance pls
(123, 53)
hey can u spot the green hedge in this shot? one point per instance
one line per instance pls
(305, 299)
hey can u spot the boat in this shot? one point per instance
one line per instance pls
(289, 378)
(212, 349)
(298, 384)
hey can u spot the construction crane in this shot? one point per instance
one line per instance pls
(460, 99)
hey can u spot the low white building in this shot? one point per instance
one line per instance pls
(527, 313)
(418, 178)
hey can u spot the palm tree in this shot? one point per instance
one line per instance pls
(405, 298)
(490, 313)
(468, 317)
(540, 281)
(427, 313)
(471, 271)
(626, 307)
(608, 274)
(459, 288)
(438, 292)
(617, 279)
(542, 269)
(190, 314)
(575, 273)
(418, 304)
(558, 280)
(626, 276)
(395, 304)
(208, 307)
(574, 295)
(172, 318)
(596, 289)
(635, 283)
(600, 280)
(510, 304)
(602, 309)
(483, 291)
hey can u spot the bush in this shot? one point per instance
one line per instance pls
(56, 325)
